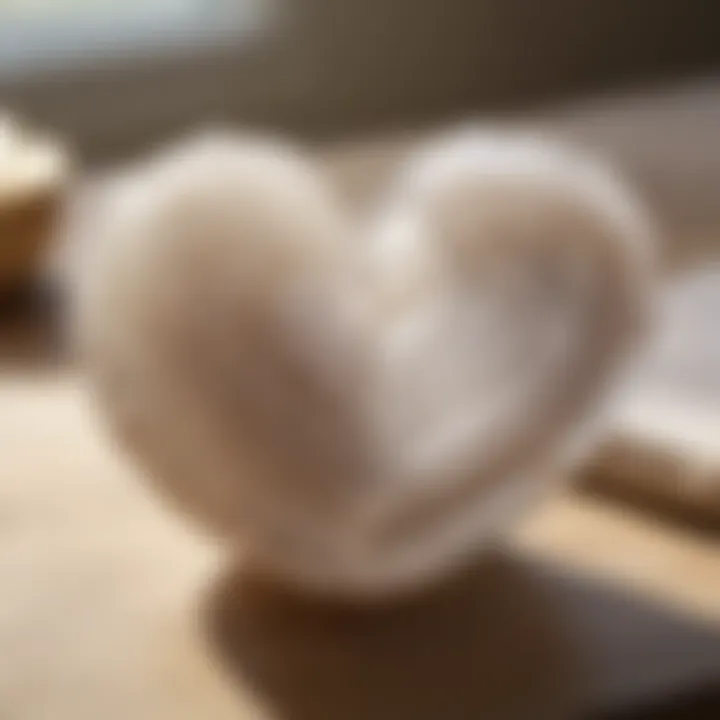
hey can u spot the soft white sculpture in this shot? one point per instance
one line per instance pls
(360, 405)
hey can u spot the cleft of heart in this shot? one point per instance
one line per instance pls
(360, 402)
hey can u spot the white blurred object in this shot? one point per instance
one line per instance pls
(30, 164)
(362, 415)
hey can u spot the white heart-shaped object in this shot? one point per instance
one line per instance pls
(360, 404)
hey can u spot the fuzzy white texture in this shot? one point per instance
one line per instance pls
(360, 413)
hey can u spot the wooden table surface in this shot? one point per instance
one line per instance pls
(103, 610)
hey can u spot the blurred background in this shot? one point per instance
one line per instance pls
(88, 84)
(114, 77)
(632, 78)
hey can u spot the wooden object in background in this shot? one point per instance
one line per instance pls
(23, 232)
(32, 174)
(664, 451)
